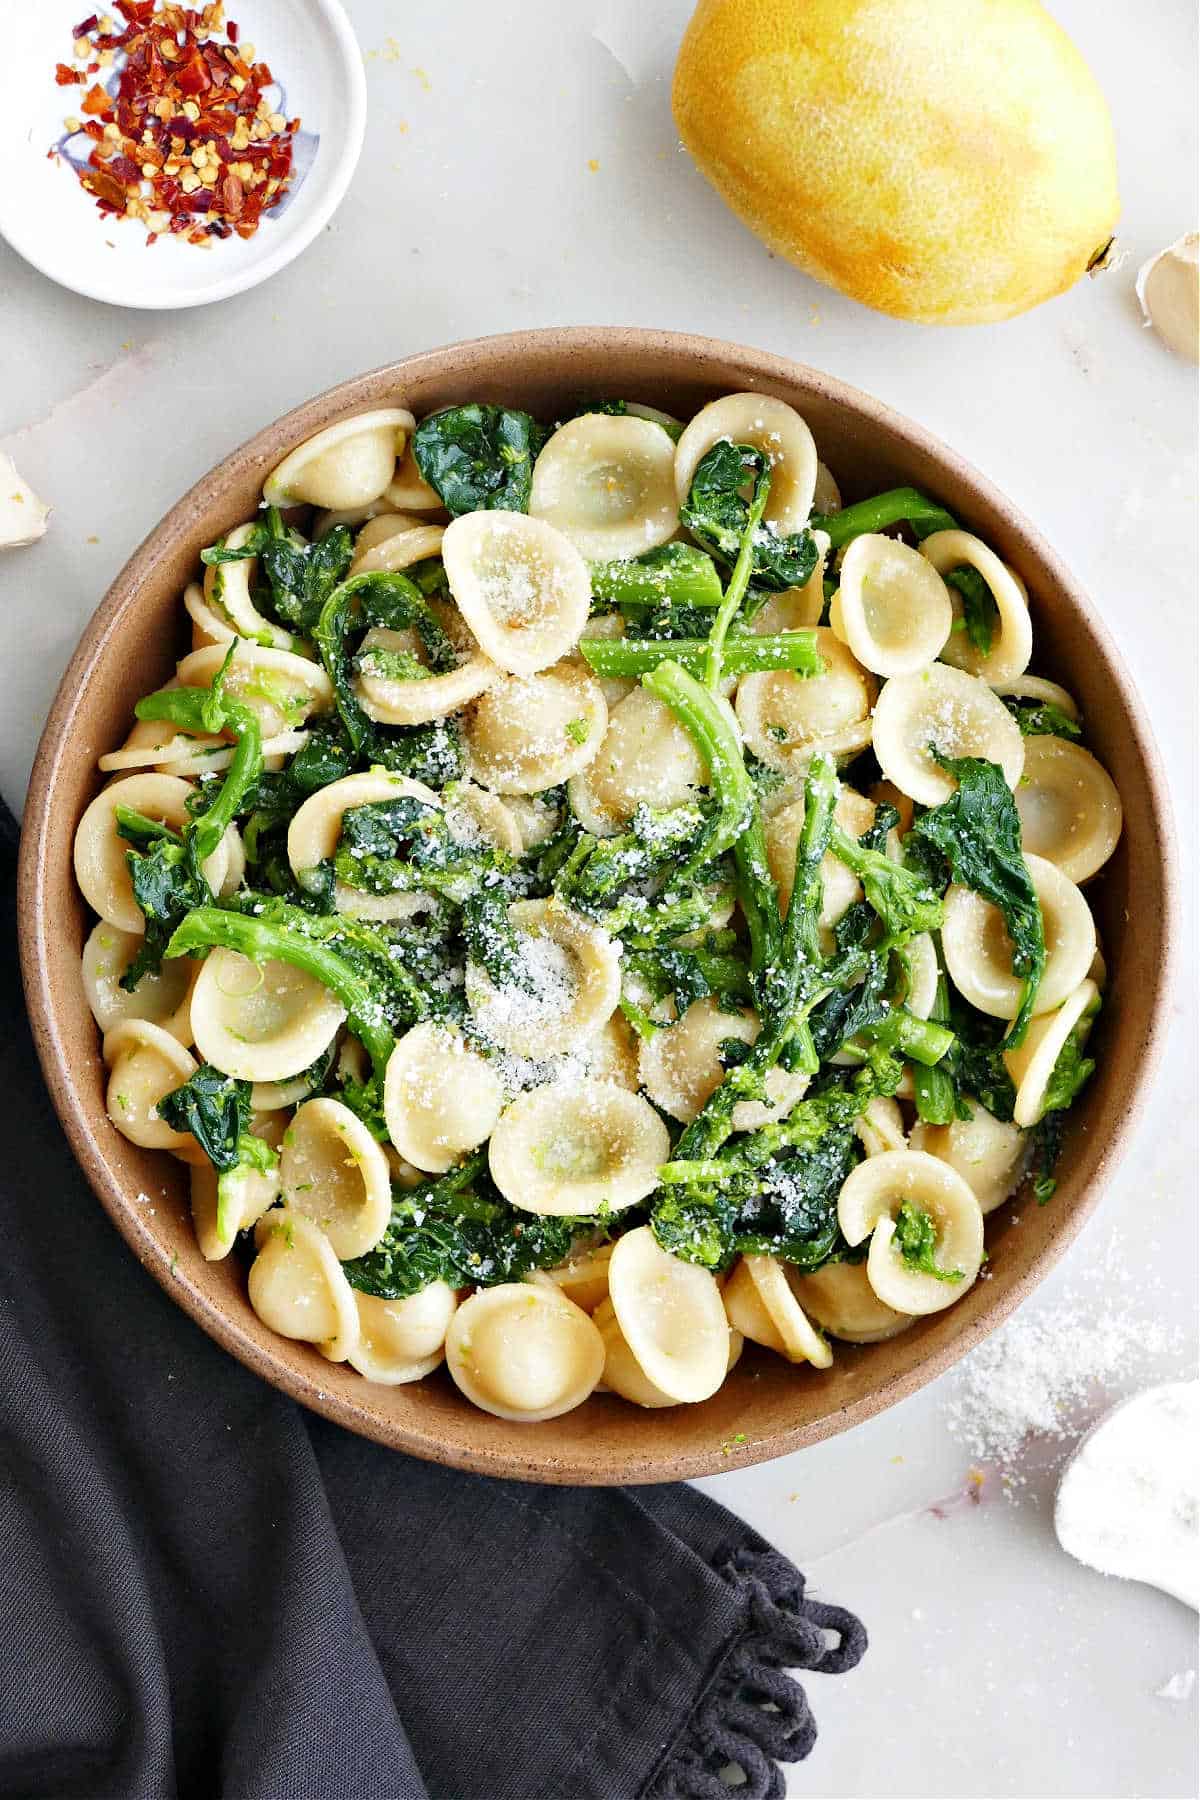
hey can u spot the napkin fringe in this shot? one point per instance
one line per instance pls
(753, 1714)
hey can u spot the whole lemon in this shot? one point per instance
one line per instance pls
(950, 161)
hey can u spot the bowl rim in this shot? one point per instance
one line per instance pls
(541, 1464)
(293, 241)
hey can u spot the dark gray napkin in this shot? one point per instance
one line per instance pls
(205, 1591)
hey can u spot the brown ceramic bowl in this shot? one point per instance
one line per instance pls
(767, 1407)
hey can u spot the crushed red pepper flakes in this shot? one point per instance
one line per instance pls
(187, 142)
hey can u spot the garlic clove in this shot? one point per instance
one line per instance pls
(1168, 287)
(22, 515)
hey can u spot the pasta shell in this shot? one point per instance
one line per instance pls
(787, 718)
(1012, 646)
(408, 491)
(420, 700)
(624, 1375)
(476, 817)
(523, 1351)
(881, 1128)
(227, 594)
(978, 950)
(162, 999)
(949, 708)
(759, 1294)
(402, 1340)
(583, 1278)
(768, 425)
(316, 829)
(378, 550)
(261, 1022)
(671, 1317)
(101, 869)
(827, 497)
(572, 968)
(281, 688)
(892, 608)
(571, 1148)
(440, 1098)
(528, 733)
(870, 1199)
(334, 1172)
(680, 1067)
(521, 585)
(1069, 806)
(608, 483)
(347, 465)
(842, 1301)
(1032, 1065)
(145, 1062)
(297, 1287)
(647, 758)
(990, 1154)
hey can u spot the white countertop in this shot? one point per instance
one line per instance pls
(521, 168)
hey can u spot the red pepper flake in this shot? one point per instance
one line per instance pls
(187, 141)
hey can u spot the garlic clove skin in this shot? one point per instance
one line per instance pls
(1168, 289)
(22, 515)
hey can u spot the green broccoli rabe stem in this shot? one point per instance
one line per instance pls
(675, 575)
(739, 582)
(738, 825)
(933, 1087)
(917, 1040)
(200, 710)
(903, 901)
(743, 655)
(208, 927)
(896, 506)
(789, 982)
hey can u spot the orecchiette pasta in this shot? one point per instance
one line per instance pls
(786, 719)
(577, 1148)
(524, 1351)
(1070, 810)
(261, 1021)
(978, 950)
(892, 608)
(671, 1317)
(440, 1097)
(520, 584)
(332, 1171)
(872, 1198)
(768, 425)
(646, 758)
(297, 1286)
(144, 1063)
(958, 714)
(101, 869)
(1032, 1065)
(608, 483)
(761, 1303)
(347, 465)
(162, 998)
(527, 733)
(571, 982)
(1012, 645)
(483, 918)
(402, 1340)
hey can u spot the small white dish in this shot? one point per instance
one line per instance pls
(50, 220)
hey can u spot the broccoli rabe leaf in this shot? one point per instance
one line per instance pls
(1040, 718)
(794, 1214)
(980, 614)
(458, 1229)
(478, 458)
(406, 844)
(492, 942)
(717, 514)
(215, 1108)
(167, 883)
(978, 831)
(1072, 1070)
(916, 1240)
(693, 974)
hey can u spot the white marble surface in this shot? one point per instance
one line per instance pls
(521, 168)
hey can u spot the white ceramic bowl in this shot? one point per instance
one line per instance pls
(47, 216)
